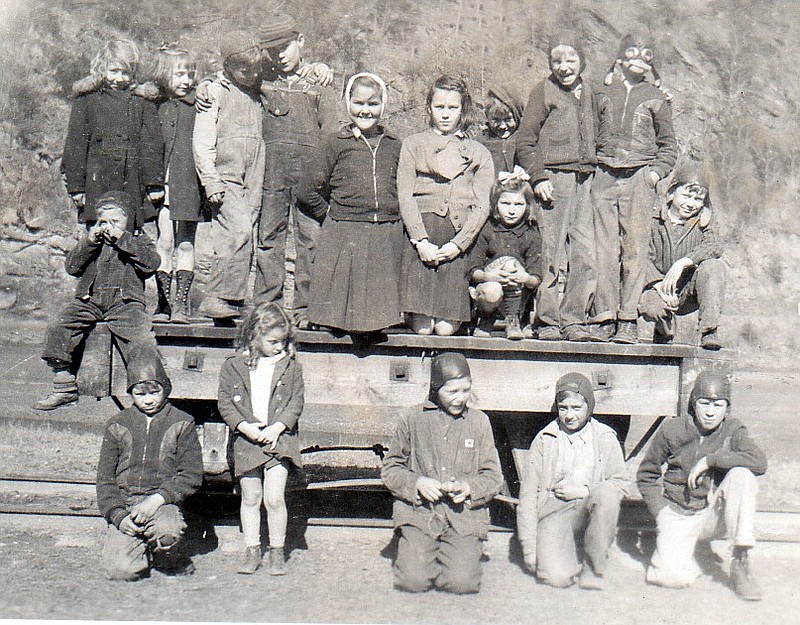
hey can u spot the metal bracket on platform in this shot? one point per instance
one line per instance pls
(193, 360)
(601, 379)
(398, 371)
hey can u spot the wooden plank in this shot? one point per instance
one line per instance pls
(94, 375)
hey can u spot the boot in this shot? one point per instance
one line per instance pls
(277, 561)
(512, 300)
(217, 308)
(627, 333)
(163, 284)
(602, 332)
(252, 560)
(182, 310)
(744, 584)
(64, 393)
(513, 330)
(483, 329)
(710, 339)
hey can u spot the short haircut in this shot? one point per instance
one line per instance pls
(167, 60)
(147, 386)
(459, 85)
(514, 185)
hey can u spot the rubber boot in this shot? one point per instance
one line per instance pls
(163, 309)
(182, 310)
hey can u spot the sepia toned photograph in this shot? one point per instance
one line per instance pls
(399, 311)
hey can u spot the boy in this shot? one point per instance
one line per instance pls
(636, 148)
(443, 469)
(555, 144)
(112, 264)
(229, 156)
(711, 463)
(685, 272)
(570, 492)
(503, 114)
(297, 110)
(150, 461)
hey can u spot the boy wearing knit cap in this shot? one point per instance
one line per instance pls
(111, 264)
(443, 469)
(555, 144)
(229, 156)
(570, 492)
(709, 476)
(636, 148)
(685, 272)
(298, 110)
(503, 112)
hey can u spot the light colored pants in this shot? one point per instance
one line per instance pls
(126, 557)
(561, 526)
(734, 502)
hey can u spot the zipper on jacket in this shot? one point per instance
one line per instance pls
(144, 450)
(374, 153)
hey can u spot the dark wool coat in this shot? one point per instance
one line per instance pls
(234, 401)
(185, 191)
(113, 143)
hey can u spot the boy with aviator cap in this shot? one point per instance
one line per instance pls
(443, 469)
(710, 476)
(570, 493)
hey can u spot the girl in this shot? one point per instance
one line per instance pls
(511, 245)
(113, 139)
(261, 398)
(443, 183)
(354, 278)
(177, 220)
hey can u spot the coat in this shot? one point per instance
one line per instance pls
(234, 401)
(113, 143)
(185, 191)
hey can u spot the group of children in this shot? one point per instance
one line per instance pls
(553, 209)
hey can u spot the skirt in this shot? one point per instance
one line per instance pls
(355, 276)
(440, 292)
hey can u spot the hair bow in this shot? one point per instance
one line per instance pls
(504, 177)
(172, 47)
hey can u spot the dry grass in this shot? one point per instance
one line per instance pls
(44, 450)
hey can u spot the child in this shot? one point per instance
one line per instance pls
(636, 148)
(113, 138)
(261, 398)
(503, 113)
(511, 245)
(699, 470)
(297, 111)
(686, 272)
(443, 469)
(140, 493)
(111, 264)
(555, 144)
(229, 156)
(570, 492)
(443, 184)
(354, 277)
(177, 220)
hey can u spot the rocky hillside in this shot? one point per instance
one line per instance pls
(727, 62)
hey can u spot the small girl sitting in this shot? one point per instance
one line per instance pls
(113, 138)
(505, 258)
(177, 221)
(443, 183)
(354, 276)
(261, 398)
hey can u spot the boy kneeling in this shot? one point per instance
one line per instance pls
(711, 464)
(150, 461)
(571, 485)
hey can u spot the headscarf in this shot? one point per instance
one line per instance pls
(348, 89)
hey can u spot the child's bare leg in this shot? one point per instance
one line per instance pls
(165, 243)
(487, 297)
(420, 324)
(446, 327)
(275, 504)
(185, 237)
(250, 509)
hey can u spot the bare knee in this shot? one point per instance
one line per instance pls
(444, 327)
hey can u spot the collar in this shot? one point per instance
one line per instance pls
(188, 98)
(431, 405)
(519, 230)
(351, 130)
(459, 134)
(674, 218)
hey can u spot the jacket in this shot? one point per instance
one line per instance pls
(136, 459)
(234, 402)
(634, 128)
(126, 264)
(679, 444)
(352, 182)
(450, 176)
(465, 452)
(523, 242)
(113, 143)
(538, 475)
(696, 238)
(185, 192)
(557, 130)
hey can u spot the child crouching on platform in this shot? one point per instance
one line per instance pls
(700, 470)
(570, 493)
(506, 258)
(150, 461)
(443, 469)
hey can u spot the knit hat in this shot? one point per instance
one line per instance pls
(688, 172)
(144, 365)
(235, 42)
(118, 199)
(576, 383)
(278, 29)
(643, 42)
(566, 37)
(709, 385)
(509, 99)
(445, 367)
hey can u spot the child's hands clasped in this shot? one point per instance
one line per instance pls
(428, 252)
(127, 526)
(262, 433)
(567, 490)
(457, 490)
(429, 489)
(145, 510)
(448, 252)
